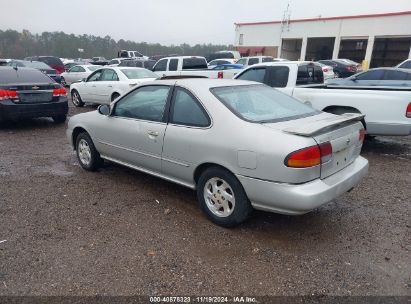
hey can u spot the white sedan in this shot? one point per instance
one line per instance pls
(77, 73)
(106, 84)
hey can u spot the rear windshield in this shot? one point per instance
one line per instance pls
(51, 60)
(138, 73)
(11, 76)
(268, 59)
(194, 63)
(260, 103)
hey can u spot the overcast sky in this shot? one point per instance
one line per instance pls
(172, 21)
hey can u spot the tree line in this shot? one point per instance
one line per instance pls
(14, 44)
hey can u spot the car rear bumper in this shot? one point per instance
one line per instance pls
(302, 198)
(11, 110)
(391, 129)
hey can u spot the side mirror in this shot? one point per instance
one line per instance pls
(104, 109)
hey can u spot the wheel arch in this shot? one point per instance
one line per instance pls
(75, 133)
(204, 166)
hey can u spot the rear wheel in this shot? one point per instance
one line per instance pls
(76, 99)
(222, 197)
(59, 118)
(87, 155)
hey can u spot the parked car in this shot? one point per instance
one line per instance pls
(247, 61)
(69, 65)
(230, 70)
(77, 73)
(328, 71)
(223, 55)
(349, 61)
(185, 66)
(387, 111)
(216, 62)
(381, 77)
(130, 54)
(187, 131)
(52, 61)
(138, 63)
(29, 93)
(106, 84)
(49, 71)
(340, 67)
(406, 64)
(99, 61)
(117, 61)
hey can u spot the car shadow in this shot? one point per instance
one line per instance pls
(25, 124)
(398, 146)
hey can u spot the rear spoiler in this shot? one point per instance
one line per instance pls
(311, 128)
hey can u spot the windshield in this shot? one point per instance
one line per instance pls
(138, 73)
(260, 103)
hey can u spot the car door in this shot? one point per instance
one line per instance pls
(86, 88)
(189, 123)
(104, 87)
(133, 133)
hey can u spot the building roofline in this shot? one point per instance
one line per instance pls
(327, 18)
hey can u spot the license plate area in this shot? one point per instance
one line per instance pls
(36, 97)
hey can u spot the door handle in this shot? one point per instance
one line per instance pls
(153, 133)
(110, 86)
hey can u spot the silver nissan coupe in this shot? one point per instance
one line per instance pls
(241, 145)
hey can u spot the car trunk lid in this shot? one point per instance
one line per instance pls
(341, 131)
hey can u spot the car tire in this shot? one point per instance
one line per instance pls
(63, 82)
(87, 155)
(222, 197)
(76, 99)
(59, 118)
(114, 96)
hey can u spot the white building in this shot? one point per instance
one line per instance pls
(380, 39)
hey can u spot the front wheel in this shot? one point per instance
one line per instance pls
(222, 197)
(87, 155)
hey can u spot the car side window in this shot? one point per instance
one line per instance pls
(146, 103)
(74, 69)
(172, 66)
(109, 75)
(186, 110)
(277, 76)
(256, 74)
(95, 76)
(371, 75)
(252, 61)
(161, 65)
(309, 74)
(394, 75)
(242, 61)
(80, 69)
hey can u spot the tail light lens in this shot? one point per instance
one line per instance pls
(59, 92)
(220, 75)
(408, 112)
(7, 94)
(361, 135)
(325, 70)
(349, 68)
(310, 156)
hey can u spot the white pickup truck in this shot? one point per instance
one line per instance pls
(187, 66)
(387, 111)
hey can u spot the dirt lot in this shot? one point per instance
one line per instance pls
(72, 232)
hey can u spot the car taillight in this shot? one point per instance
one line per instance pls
(220, 75)
(310, 156)
(408, 111)
(8, 94)
(59, 92)
(349, 68)
(325, 70)
(361, 135)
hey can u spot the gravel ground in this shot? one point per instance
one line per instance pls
(121, 232)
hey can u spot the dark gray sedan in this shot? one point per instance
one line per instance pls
(381, 77)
